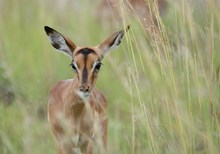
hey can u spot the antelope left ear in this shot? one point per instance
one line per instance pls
(112, 42)
(60, 42)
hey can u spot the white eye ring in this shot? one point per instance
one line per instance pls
(94, 65)
(74, 65)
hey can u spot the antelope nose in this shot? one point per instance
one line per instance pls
(84, 88)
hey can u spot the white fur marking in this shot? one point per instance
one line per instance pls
(94, 65)
(76, 66)
(56, 38)
(83, 95)
(116, 42)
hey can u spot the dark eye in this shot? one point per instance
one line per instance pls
(74, 67)
(98, 66)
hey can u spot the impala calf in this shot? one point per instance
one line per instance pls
(77, 111)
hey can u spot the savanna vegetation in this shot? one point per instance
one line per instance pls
(163, 93)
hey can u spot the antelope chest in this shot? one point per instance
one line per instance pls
(85, 125)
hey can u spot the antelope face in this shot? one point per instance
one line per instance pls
(86, 61)
(86, 64)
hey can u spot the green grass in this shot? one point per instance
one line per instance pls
(163, 97)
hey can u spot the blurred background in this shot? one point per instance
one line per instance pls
(162, 83)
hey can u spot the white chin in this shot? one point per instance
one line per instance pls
(83, 95)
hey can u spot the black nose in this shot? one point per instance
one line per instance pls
(84, 88)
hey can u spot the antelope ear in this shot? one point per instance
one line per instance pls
(112, 42)
(60, 42)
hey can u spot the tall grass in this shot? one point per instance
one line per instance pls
(163, 95)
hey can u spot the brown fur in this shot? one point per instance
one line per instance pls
(65, 104)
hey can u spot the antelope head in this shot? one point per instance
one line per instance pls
(86, 61)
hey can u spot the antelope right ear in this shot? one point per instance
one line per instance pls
(60, 42)
(112, 42)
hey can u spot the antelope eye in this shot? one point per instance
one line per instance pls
(74, 67)
(98, 66)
